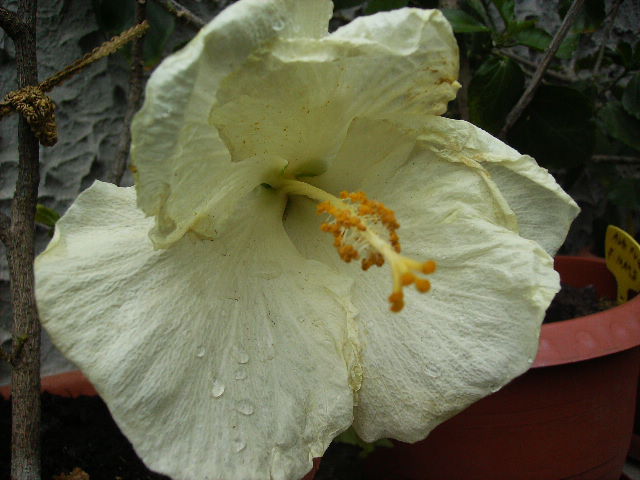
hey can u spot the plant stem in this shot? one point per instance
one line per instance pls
(611, 18)
(182, 14)
(527, 96)
(134, 98)
(25, 376)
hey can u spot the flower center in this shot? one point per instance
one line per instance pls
(366, 230)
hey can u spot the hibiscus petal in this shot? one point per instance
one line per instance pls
(358, 72)
(544, 211)
(471, 334)
(218, 358)
(477, 328)
(177, 156)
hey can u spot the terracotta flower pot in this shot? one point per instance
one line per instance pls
(569, 417)
(74, 384)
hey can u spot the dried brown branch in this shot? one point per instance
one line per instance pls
(528, 94)
(549, 73)
(11, 23)
(611, 17)
(5, 226)
(102, 51)
(134, 98)
(183, 14)
(25, 375)
(616, 159)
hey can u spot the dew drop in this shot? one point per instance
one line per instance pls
(432, 371)
(278, 25)
(495, 388)
(242, 356)
(200, 352)
(239, 445)
(245, 407)
(217, 389)
(241, 374)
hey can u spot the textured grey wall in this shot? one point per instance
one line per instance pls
(89, 112)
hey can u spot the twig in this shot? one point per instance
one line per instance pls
(615, 159)
(611, 17)
(25, 375)
(103, 50)
(134, 98)
(182, 13)
(557, 75)
(11, 23)
(527, 96)
(5, 225)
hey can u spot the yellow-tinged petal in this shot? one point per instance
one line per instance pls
(218, 359)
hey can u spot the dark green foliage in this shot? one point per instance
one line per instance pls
(375, 6)
(631, 96)
(616, 122)
(556, 128)
(493, 91)
(462, 22)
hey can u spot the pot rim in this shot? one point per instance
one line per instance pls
(591, 336)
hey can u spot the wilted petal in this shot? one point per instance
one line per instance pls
(478, 327)
(177, 156)
(358, 72)
(544, 211)
(218, 359)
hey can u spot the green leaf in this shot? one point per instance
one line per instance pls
(590, 17)
(462, 22)
(620, 125)
(477, 7)
(350, 437)
(113, 15)
(340, 4)
(556, 128)
(375, 6)
(162, 25)
(533, 37)
(568, 46)
(493, 91)
(625, 193)
(631, 96)
(46, 216)
(506, 8)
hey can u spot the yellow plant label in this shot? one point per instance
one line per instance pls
(623, 260)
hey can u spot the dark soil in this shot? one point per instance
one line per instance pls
(80, 434)
(571, 302)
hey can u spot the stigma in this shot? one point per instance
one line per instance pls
(366, 230)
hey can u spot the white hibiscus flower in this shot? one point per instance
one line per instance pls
(212, 313)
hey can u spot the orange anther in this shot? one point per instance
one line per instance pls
(423, 285)
(397, 296)
(429, 267)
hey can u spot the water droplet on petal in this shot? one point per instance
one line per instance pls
(245, 407)
(495, 388)
(432, 371)
(217, 389)
(241, 374)
(200, 352)
(278, 25)
(241, 356)
(238, 445)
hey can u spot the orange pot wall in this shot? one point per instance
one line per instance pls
(571, 419)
